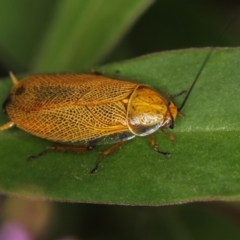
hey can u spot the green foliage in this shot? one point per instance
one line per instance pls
(63, 35)
(74, 36)
(204, 162)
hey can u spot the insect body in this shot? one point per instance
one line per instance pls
(78, 111)
(84, 109)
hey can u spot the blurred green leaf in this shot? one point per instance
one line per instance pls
(205, 155)
(63, 35)
(83, 32)
(22, 25)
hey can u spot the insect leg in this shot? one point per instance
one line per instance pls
(63, 148)
(154, 146)
(48, 149)
(105, 153)
(169, 135)
(6, 126)
(178, 94)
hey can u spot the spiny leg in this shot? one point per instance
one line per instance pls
(69, 148)
(47, 150)
(154, 146)
(104, 154)
(62, 148)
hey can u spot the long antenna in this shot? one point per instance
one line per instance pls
(202, 67)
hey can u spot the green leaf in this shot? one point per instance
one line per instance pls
(81, 32)
(63, 35)
(204, 164)
(22, 29)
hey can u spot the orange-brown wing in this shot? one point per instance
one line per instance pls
(74, 123)
(81, 108)
(49, 91)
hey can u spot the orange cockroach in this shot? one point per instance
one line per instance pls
(78, 111)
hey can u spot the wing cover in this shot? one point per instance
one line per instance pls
(70, 107)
